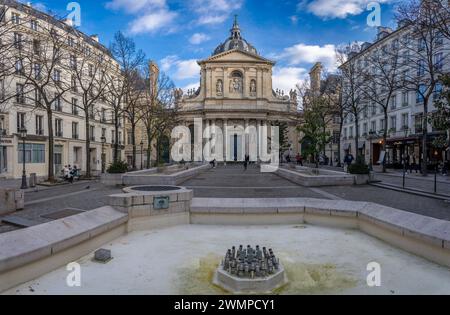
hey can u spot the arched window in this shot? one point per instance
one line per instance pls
(236, 74)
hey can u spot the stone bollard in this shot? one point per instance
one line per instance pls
(11, 200)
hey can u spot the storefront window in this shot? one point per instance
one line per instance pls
(34, 153)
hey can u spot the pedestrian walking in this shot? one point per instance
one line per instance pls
(348, 160)
(247, 161)
(299, 159)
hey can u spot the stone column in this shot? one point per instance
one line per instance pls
(244, 83)
(258, 137)
(208, 82)
(246, 137)
(225, 136)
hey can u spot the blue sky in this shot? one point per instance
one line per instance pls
(176, 33)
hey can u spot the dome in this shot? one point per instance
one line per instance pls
(235, 41)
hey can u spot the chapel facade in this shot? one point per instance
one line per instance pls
(236, 91)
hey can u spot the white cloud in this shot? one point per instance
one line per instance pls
(215, 11)
(191, 86)
(198, 38)
(212, 19)
(286, 78)
(168, 62)
(152, 22)
(151, 15)
(134, 6)
(187, 69)
(336, 8)
(301, 53)
(181, 69)
(294, 19)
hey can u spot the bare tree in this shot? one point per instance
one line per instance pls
(381, 81)
(351, 89)
(120, 86)
(159, 112)
(441, 12)
(136, 101)
(426, 53)
(88, 78)
(42, 61)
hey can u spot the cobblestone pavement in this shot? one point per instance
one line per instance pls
(412, 180)
(43, 201)
(232, 181)
(225, 182)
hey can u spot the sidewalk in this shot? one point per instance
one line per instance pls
(414, 183)
(418, 176)
(16, 183)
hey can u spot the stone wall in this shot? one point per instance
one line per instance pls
(11, 200)
(329, 179)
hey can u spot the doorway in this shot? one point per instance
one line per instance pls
(57, 159)
(236, 146)
(93, 159)
(3, 160)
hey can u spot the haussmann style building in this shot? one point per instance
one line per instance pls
(26, 29)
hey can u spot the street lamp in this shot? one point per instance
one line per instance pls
(405, 155)
(2, 133)
(331, 153)
(103, 140)
(371, 137)
(23, 135)
(142, 154)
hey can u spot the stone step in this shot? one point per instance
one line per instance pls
(19, 221)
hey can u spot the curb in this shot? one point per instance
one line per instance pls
(412, 191)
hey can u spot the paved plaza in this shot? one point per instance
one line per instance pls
(232, 181)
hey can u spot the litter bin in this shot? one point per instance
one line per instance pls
(33, 180)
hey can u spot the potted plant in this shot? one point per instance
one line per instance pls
(113, 176)
(361, 171)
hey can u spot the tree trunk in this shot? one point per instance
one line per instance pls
(341, 124)
(385, 133)
(149, 149)
(88, 144)
(425, 136)
(116, 140)
(356, 137)
(51, 167)
(133, 142)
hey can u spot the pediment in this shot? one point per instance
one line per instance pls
(237, 56)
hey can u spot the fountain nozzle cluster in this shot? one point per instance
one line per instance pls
(250, 263)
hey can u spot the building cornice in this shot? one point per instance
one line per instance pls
(214, 58)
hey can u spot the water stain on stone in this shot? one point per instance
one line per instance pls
(303, 278)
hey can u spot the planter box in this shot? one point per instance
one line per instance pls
(364, 179)
(111, 179)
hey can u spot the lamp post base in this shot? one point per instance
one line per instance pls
(24, 182)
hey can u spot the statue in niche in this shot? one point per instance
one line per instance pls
(236, 85)
(178, 94)
(253, 88)
(219, 87)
